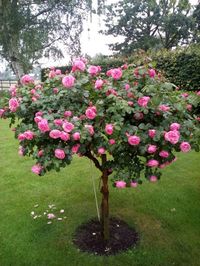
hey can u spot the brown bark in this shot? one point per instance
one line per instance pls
(104, 202)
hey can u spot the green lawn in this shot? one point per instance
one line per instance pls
(166, 214)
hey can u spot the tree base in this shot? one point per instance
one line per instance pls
(88, 237)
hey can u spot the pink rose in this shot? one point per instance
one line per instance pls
(75, 148)
(120, 184)
(185, 95)
(172, 136)
(112, 141)
(64, 136)
(101, 150)
(58, 122)
(52, 74)
(26, 79)
(51, 216)
(29, 135)
(164, 108)
(38, 119)
(116, 73)
(67, 126)
(143, 101)
(109, 129)
(55, 90)
(175, 126)
(133, 140)
(21, 137)
(189, 107)
(13, 90)
(133, 184)
(138, 116)
(152, 133)
(36, 169)
(76, 136)
(153, 178)
(13, 104)
(40, 153)
(151, 148)
(60, 154)
(39, 113)
(2, 111)
(93, 70)
(90, 129)
(67, 113)
(108, 73)
(198, 93)
(78, 65)
(111, 91)
(164, 154)
(185, 146)
(43, 126)
(58, 72)
(90, 113)
(68, 81)
(152, 73)
(152, 163)
(127, 86)
(98, 84)
(55, 134)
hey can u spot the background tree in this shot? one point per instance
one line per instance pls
(32, 29)
(146, 24)
(196, 16)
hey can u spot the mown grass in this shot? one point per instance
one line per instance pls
(166, 214)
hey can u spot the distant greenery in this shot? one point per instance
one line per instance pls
(166, 214)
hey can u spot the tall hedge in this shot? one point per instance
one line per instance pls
(180, 66)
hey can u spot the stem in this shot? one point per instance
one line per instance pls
(104, 202)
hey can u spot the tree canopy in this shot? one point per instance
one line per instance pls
(32, 29)
(146, 24)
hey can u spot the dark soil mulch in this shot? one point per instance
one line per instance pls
(88, 237)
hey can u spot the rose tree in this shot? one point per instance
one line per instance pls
(128, 122)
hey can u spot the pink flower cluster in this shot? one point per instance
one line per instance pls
(13, 104)
(91, 112)
(28, 135)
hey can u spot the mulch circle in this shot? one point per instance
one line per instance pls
(88, 237)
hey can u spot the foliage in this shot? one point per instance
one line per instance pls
(131, 117)
(30, 30)
(180, 65)
(149, 24)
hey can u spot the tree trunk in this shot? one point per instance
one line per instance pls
(17, 68)
(104, 202)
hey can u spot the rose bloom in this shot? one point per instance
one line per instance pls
(78, 65)
(68, 81)
(152, 133)
(2, 111)
(127, 86)
(60, 154)
(172, 136)
(90, 129)
(185, 146)
(29, 135)
(40, 153)
(39, 113)
(21, 137)
(64, 136)
(37, 119)
(43, 126)
(153, 178)
(13, 104)
(133, 140)
(68, 127)
(143, 101)
(164, 154)
(101, 150)
(152, 73)
(52, 74)
(175, 126)
(151, 148)
(26, 79)
(67, 113)
(76, 136)
(54, 134)
(116, 73)
(90, 113)
(133, 184)
(120, 184)
(112, 141)
(98, 84)
(108, 73)
(130, 103)
(36, 169)
(138, 116)
(58, 122)
(109, 129)
(75, 148)
(58, 72)
(189, 107)
(198, 93)
(152, 163)
(185, 95)
(55, 90)
(164, 108)
(111, 91)
(93, 70)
